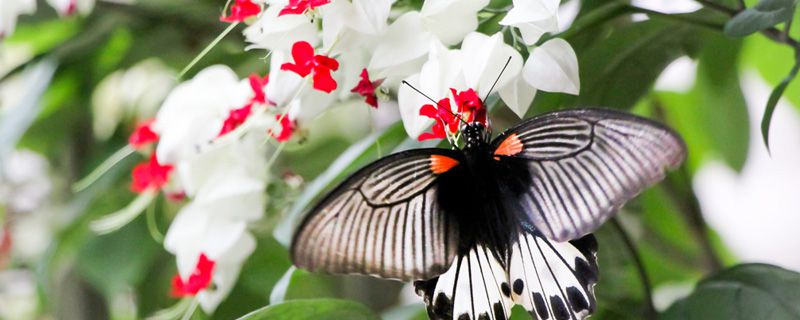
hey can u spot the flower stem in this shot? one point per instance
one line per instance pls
(647, 289)
(207, 49)
(190, 311)
(109, 163)
(152, 226)
(119, 219)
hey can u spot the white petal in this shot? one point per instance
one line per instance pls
(532, 31)
(282, 84)
(553, 67)
(275, 32)
(530, 10)
(567, 13)
(226, 272)
(403, 42)
(518, 96)
(370, 15)
(668, 6)
(9, 10)
(409, 104)
(679, 76)
(451, 20)
(487, 56)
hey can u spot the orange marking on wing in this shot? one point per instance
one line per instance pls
(442, 164)
(510, 146)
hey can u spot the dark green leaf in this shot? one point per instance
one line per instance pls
(774, 97)
(765, 14)
(317, 309)
(750, 291)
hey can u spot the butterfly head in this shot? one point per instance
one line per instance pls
(475, 134)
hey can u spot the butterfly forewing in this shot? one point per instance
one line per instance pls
(383, 221)
(580, 166)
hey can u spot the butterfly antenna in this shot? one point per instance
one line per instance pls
(434, 101)
(498, 78)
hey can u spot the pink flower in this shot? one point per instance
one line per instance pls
(366, 89)
(241, 10)
(306, 62)
(468, 102)
(442, 114)
(198, 281)
(300, 6)
(143, 135)
(150, 175)
(287, 128)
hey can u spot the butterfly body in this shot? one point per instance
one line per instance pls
(497, 223)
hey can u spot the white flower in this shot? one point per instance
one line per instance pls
(275, 32)
(484, 58)
(193, 113)
(18, 294)
(9, 10)
(133, 93)
(69, 7)
(533, 18)
(402, 48)
(451, 20)
(24, 181)
(553, 67)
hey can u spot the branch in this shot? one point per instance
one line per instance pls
(647, 288)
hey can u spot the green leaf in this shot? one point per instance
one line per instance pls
(619, 70)
(774, 97)
(749, 291)
(765, 14)
(317, 309)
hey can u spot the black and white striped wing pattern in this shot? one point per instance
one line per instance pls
(383, 221)
(475, 287)
(582, 165)
(551, 280)
(554, 280)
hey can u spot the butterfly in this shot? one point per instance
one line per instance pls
(496, 223)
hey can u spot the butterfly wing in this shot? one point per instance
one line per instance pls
(383, 221)
(569, 171)
(549, 279)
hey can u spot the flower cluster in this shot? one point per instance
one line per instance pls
(209, 133)
(10, 10)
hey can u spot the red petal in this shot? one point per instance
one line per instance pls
(150, 175)
(429, 111)
(242, 10)
(327, 62)
(300, 70)
(302, 52)
(287, 128)
(143, 135)
(258, 84)
(236, 117)
(198, 281)
(323, 80)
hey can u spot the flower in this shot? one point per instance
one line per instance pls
(468, 103)
(235, 118)
(150, 175)
(442, 114)
(69, 7)
(300, 6)
(258, 85)
(553, 67)
(143, 135)
(366, 89)
(287, 128)
(199, 280)
(241, 11)
(306, 62)
(533, 18)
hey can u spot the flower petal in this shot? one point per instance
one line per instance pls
(487, 56)
(518, 96)
(451, 20)
(403, 42)
(530, 10)
(553, 67)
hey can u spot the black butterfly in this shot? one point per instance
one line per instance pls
(496, 223)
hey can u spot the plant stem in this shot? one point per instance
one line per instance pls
(721, 8)
(647, 288)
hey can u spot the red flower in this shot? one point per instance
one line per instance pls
(306, 62)
(258, 84)
(287, 128)
(198, 281)
(442, 114)
(235, 118)
(468, 102)
(300, 6)
(241, 10)
(150, 175)
(143, 135)
(366, 89)
(176, 196)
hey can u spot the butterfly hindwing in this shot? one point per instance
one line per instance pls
(551, 280)
(571, 170)
(383, 221)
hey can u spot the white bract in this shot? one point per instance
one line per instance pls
(10, 10)
(533, 18)
(70, 7)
